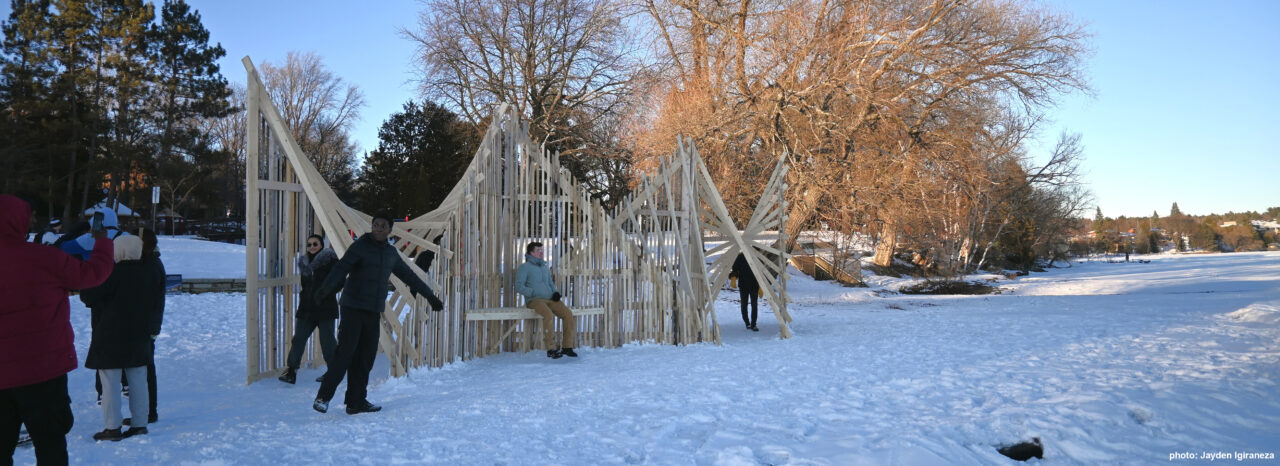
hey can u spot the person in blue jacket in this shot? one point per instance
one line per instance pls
(82, 245)
(533, 281)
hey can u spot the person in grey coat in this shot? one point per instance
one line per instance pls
(314, 267)
(366, 267)
(533, 281)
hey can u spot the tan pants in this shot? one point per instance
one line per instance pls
(546, 308)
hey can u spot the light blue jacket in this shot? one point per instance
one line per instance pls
(82, 245)
(533, 279)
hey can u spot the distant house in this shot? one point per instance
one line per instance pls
(1227, 224)
(1266, 226)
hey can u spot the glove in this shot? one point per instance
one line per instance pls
(436, 304)
(555, 296)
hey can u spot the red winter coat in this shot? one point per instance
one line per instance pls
(36, 340)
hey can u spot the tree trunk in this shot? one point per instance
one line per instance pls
(888, 242)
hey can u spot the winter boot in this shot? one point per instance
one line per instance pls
(568, 352)
(554, 354)
(320, 405)
(289, 376)
(754, 328)
(363, 407)
(113, 435)
(135, 431)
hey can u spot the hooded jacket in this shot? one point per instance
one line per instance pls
(36, 340)
(533, 279)
(369, 263)
(314, 270)
(122, 308)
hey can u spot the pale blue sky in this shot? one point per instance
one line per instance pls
(1186, 91)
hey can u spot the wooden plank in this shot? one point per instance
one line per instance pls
(279, 186)
(253, 138)
(520, 313)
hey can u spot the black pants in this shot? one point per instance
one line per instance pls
(753, 294)
(151, 382)
(357, 346)
(45, 408)
(302, 329)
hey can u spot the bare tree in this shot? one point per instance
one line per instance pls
(880, 105)
(567, 65)
(320, 109)
(227, 134)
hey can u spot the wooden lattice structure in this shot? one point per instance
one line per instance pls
(640, 273)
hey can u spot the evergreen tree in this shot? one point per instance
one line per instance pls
(189, 88)
(24, 92)
(1175, 211)
(422, 153)
(1099, 222)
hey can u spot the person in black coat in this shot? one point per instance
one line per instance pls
(748, 289)
(122, 308)
(314, 267)
(366, 268)
(151, 258)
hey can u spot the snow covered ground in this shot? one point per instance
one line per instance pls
(194, 258)
(1106, 363)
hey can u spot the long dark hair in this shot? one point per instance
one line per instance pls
(149, 244)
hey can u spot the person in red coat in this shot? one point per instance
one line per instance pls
(37, 345)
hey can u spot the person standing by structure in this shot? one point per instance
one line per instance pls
(748, 289)
(123, 307)
(533, 281)
(37, 344)
(314, 267)
(151, 259)
(366, 267)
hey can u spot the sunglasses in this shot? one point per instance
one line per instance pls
(313, 245)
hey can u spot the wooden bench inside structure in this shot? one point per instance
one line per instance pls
(519, 313)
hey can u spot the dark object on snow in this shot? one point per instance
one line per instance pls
(1024, 451)
(949, 287)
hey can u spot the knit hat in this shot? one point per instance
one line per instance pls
(128, 248)
(55, 222)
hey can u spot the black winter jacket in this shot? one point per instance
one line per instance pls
(123, 309)
(156, 319)
(314, 270)
(370, 264)
(746, 279)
